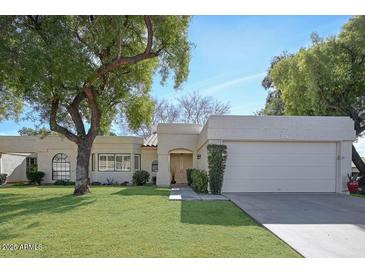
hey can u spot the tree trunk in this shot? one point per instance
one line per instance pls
(82, 184)
(358, 162)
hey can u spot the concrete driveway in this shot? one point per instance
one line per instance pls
(314, 224)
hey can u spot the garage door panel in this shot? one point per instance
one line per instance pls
(280, 186)
(280, 166)
(280, 172)
(281, 147)
(282, 159)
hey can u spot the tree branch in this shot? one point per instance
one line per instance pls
(73, 109)
(130, 60)
(95, 112)
(54, 126)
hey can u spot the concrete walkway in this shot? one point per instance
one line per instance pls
(185, 193)
(315, 224)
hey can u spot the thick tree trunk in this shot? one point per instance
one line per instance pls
(82, 184)
(358, 162)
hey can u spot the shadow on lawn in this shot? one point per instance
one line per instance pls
(143, 191)
(13, 205)
(221, 213)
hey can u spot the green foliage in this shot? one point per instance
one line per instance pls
(274, 103)
(140, 177)
(64, 183)
(26, 131)
(48, 57)
(217, 156)
(3, 177)
(199, 181)
(326, 78)
(188, 176)
(35, 177)
(10, 105)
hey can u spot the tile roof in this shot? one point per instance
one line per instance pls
(151, 141)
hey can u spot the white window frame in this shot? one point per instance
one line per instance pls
(107, 162)
(139, 161)
(123, 155)
(29, 165)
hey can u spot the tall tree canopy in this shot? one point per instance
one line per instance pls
(79, 72)
(327, 78)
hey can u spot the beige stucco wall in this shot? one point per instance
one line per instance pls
(46, 148)
(149, 154)
(170, 137)
(280, 128)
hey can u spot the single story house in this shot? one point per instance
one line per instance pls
(264, 154)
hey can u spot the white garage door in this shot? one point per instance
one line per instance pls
(280, 167)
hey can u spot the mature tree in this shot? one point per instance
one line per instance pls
(191, 108)
(274, 104)
(27, 131)
(327, 78)
(79, 72)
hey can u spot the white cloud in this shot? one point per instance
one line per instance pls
(230, 83)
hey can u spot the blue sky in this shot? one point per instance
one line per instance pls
(231, 56)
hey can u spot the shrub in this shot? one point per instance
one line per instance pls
(217, 156)
(199, 181)
(140, 177)
(35, 177)
(188, 176)
(3, 177)
(64, 183)
(96, 183)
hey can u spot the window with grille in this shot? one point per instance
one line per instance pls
(154, 167)
(61, 167)
(31, 164)
(106, 162)
(122, 162)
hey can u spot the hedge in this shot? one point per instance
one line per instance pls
(3, 177)
(141, 177)
(35, 177)
(217, 157)
(188, 176)
(199, 180)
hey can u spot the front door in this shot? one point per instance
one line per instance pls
(179, 163)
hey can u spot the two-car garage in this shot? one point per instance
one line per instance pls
(283, 153)
(280, 167)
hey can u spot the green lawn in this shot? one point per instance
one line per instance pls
(128, 222)
(358, 195)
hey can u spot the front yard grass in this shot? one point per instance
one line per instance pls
(128, 222)
(360, 195)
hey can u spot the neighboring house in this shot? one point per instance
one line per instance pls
(355, 171)
(265, 153)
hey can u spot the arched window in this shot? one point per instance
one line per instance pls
(61, 167)
(154, 167)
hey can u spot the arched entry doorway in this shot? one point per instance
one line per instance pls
(180, 160)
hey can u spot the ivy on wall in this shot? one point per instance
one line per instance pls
(217, 156)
